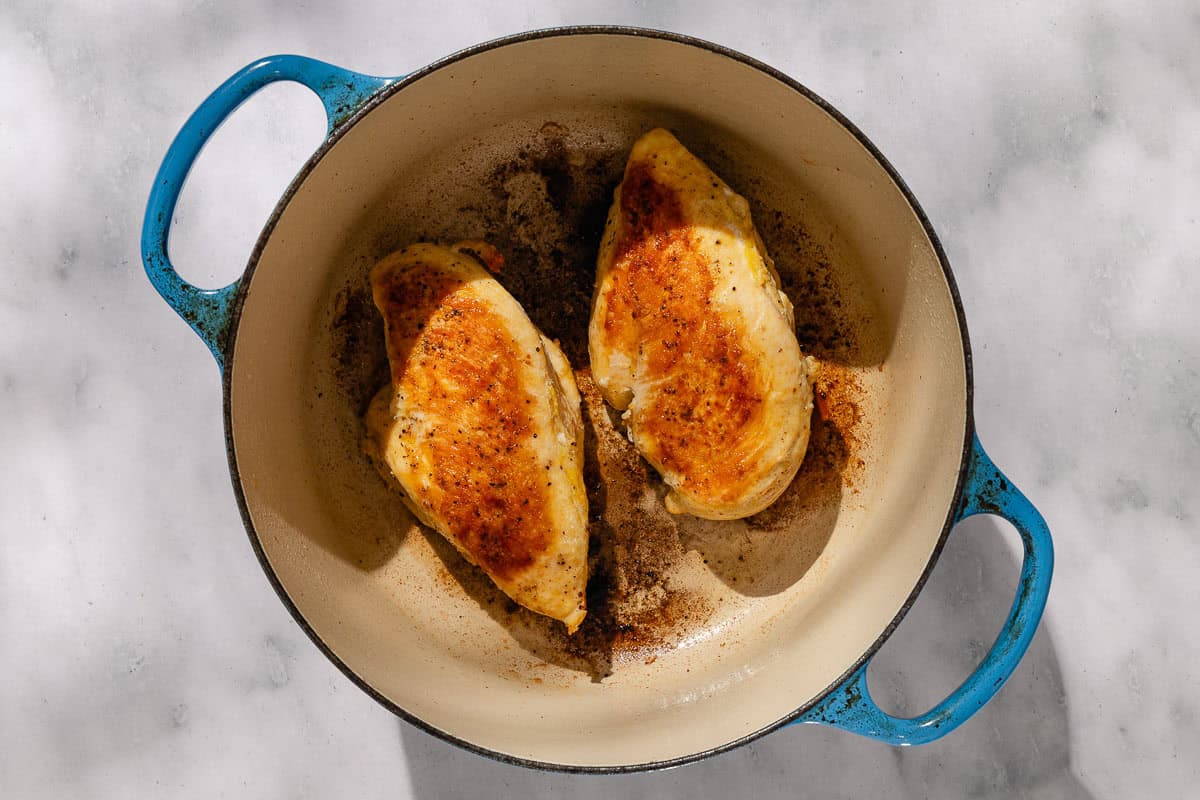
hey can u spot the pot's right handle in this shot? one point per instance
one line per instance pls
(850, 706)
(209, 311)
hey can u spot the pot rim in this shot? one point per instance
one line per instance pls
(335, 136)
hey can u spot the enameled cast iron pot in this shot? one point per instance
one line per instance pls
(409, 158)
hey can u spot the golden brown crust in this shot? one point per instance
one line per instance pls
(481, 428)
(692, 338)
(660, 296)
(452, 358)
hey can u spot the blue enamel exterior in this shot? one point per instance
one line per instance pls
(987, 491)
(209, 311)
(849, 706)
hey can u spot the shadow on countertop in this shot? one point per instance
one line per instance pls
(1017, 745)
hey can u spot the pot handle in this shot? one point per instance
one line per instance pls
(209, 311)
(850, 707)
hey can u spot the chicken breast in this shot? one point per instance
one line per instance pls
(481, 426)
(693, 339)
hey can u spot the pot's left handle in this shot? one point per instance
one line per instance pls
(209, 311)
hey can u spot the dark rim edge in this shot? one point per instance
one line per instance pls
(545, 33)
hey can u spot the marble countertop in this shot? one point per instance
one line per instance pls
(1056, 152)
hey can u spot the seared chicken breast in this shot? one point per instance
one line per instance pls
(693, 339)
(481, 426)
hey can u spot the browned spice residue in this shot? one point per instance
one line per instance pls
(360, 357)
(634, 605)
(544, 209)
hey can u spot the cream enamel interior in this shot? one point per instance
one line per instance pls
(435, 653)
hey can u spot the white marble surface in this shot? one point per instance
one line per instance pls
(1056, 151)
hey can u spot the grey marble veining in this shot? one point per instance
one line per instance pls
(1055, 150)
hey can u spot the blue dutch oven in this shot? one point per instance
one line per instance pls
(752, 624)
